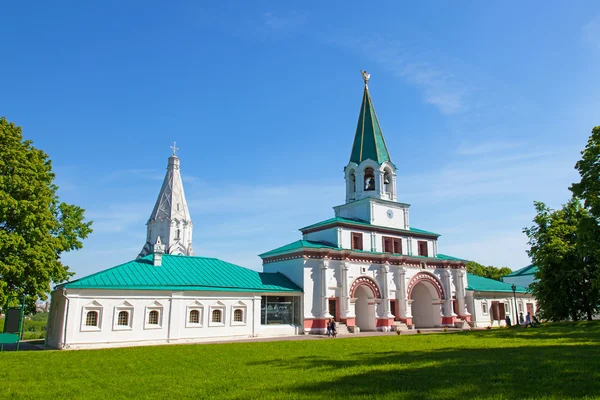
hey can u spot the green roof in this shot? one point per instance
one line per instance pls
(368, 140)
(481, 284)
(310, 244)
(338, 220)
(179, 272)
(528, 270)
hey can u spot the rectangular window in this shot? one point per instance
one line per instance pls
(392, 245)
(398, 246)
(357, 241)
(280, 310)
(388, 244)
(484, 308)
(423, 248)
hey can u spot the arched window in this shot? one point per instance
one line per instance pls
(238, 315)
(352, 182)
(177, 234)
(194, 317)
(369, 179)
(216, 316)
(91, 318)
(387, 181)
(123, 318)
(153, 317)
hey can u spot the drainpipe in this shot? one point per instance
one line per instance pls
(64, 293)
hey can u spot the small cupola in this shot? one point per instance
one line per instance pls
(157, 252)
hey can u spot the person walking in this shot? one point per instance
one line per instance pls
(521, 320)
(333, 328)
(528, 319)
(328, 328)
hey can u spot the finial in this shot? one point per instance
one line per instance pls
(366, 76)
(175, 148)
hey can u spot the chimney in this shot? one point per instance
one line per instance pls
(158, 250)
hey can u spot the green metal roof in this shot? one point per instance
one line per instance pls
(528, 270)
(184, 273)
(368, 140)
(357, 222)
(310, 244)
(481, 284)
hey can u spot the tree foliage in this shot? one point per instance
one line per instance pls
(588, 188)
(35, 227)
(564, 287)
(490, 272)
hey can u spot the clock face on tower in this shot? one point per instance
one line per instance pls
(390, 214)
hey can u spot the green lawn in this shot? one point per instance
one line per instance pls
(561, 361)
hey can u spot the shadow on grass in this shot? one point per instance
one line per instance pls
(562, 371)
(582, 332)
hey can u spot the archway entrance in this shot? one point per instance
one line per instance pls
(425, 306)
(364, 308)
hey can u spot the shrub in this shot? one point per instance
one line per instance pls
(398, 332)
(489, 327)
(418, 331)
(445, 330)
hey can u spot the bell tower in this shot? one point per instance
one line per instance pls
(170, 221)
(371, 194)
(370, 171)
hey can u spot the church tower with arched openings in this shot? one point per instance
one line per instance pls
(371, 191)
(170, 222)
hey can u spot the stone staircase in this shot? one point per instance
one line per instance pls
(342, 329)
(399, 326)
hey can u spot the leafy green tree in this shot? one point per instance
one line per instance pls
(566, 266)
(490, 272)
(588, 188)
(35, 227)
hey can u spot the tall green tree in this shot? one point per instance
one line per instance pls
(35, 226)
(566, 267)
(490, 271)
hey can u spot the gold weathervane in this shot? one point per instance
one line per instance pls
(366, 76)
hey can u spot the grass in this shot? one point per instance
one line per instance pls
(560, 361)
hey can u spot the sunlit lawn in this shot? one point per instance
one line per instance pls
(561, 361)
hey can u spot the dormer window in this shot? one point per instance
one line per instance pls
(357, 241)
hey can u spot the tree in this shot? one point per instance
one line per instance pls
(588, 188)
(487, 272)
(566, 266)
(35, 227)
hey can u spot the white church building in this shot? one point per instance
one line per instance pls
(367, 267)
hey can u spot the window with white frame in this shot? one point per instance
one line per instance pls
(238, 316)
(194, 315)
(520, 306)
(123, 316)
(506, 307)
(154, 315)
(217, 314)
(484, 307)
(91, 317)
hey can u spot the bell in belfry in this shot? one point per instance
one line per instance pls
(386, 178)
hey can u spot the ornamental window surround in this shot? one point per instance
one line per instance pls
(217, 314)
(123, 316)
(91, 317)
(484, 307)
(357, 241)
(154, 316)
(195, 315)
(238, 315)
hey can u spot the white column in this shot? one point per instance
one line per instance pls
(373, 240)
(324, 306)
(460, 293)
(385, 269)
(448, 300)
(401, 292)
(345, 311)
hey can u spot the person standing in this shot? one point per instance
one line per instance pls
(528, 319)
(521, 320)
(328, 327)
(333, 328)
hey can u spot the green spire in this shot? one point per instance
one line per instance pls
(368, 141)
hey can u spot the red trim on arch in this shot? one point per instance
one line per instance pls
(427, 277)
(366, 281)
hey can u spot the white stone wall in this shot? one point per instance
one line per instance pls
(315, 302)
(174, 325)
(475, 301)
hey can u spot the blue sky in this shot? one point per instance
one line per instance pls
(484, 108)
